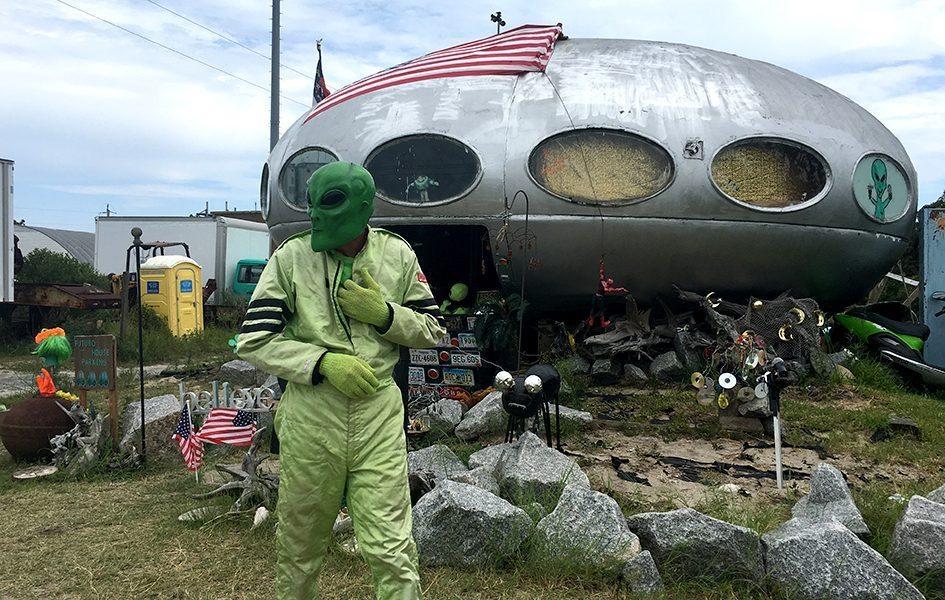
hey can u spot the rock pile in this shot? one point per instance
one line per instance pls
(483, 514)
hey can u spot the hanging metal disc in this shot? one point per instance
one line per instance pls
(723, 401)
(727, 381)
(697, 380)
(761, 390)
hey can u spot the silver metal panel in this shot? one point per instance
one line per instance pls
(690, 234)
(932, 225)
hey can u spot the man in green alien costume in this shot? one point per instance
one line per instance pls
(330, 311)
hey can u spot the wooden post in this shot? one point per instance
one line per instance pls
(113, 414)
(83, 399)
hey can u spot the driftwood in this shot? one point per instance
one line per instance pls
(255, 488)
(713, 309)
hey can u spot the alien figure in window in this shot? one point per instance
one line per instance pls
(423, 185)
(880, 192)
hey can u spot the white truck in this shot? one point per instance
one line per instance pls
(217, 243)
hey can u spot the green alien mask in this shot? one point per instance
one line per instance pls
(340, 202)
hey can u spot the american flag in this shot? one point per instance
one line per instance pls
(516, 51)
(189, 442)
(320, 89)
(229, 426)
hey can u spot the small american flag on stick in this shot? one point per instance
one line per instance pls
(229, 426)
(516, 51)
(190, 444)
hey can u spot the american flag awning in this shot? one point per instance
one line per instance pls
(516, 51)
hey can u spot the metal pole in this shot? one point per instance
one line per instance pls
(777, 449)
(136, 234)
(274, 81)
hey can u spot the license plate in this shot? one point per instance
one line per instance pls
(467, 340)
(424, 357)
(465, 360)
(415, 376)
(463, 377)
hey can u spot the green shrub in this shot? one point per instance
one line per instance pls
(45, 266)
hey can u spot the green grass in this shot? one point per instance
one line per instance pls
(114, 534)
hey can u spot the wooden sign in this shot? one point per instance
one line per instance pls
(94, 362)
(95, 369)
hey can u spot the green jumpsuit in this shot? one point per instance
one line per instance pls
(331, 445)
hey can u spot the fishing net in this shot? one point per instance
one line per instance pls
(790, 327)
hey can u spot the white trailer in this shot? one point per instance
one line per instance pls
(217, 243)
(6, 230)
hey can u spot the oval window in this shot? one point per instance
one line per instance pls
(297, 170)
(423, 169)
(600, 166)
(769, 174)
(881, 188)
(264, 192)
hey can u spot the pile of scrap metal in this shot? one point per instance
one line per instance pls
(743, 341)
(723, 347)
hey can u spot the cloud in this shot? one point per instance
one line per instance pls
(94, 115)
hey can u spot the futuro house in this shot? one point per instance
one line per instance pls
(678, 165)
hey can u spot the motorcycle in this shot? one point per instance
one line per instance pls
(888, 329)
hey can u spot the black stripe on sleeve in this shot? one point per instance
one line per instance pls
(262, 326)
(270, 303)
(424, 303)
(433, 312)
(260, 315)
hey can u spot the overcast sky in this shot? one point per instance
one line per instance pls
(93, 115)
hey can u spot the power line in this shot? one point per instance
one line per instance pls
(229, 39)
(178, 52)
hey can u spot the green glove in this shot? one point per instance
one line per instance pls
(365, 304)
(351, 375)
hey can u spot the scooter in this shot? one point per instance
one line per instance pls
(888, 329)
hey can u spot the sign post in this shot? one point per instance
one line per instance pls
(95, 369)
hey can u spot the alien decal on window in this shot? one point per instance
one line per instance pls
(880, 192)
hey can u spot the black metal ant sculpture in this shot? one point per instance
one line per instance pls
(529, 397)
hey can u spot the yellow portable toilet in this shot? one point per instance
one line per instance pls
(170, 285)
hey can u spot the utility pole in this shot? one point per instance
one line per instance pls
(274, 82)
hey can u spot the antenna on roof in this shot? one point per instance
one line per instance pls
(108, 211)
(496, 18)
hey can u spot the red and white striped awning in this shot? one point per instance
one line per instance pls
(516, 51)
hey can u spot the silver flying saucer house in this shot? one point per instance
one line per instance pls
(529, 154)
